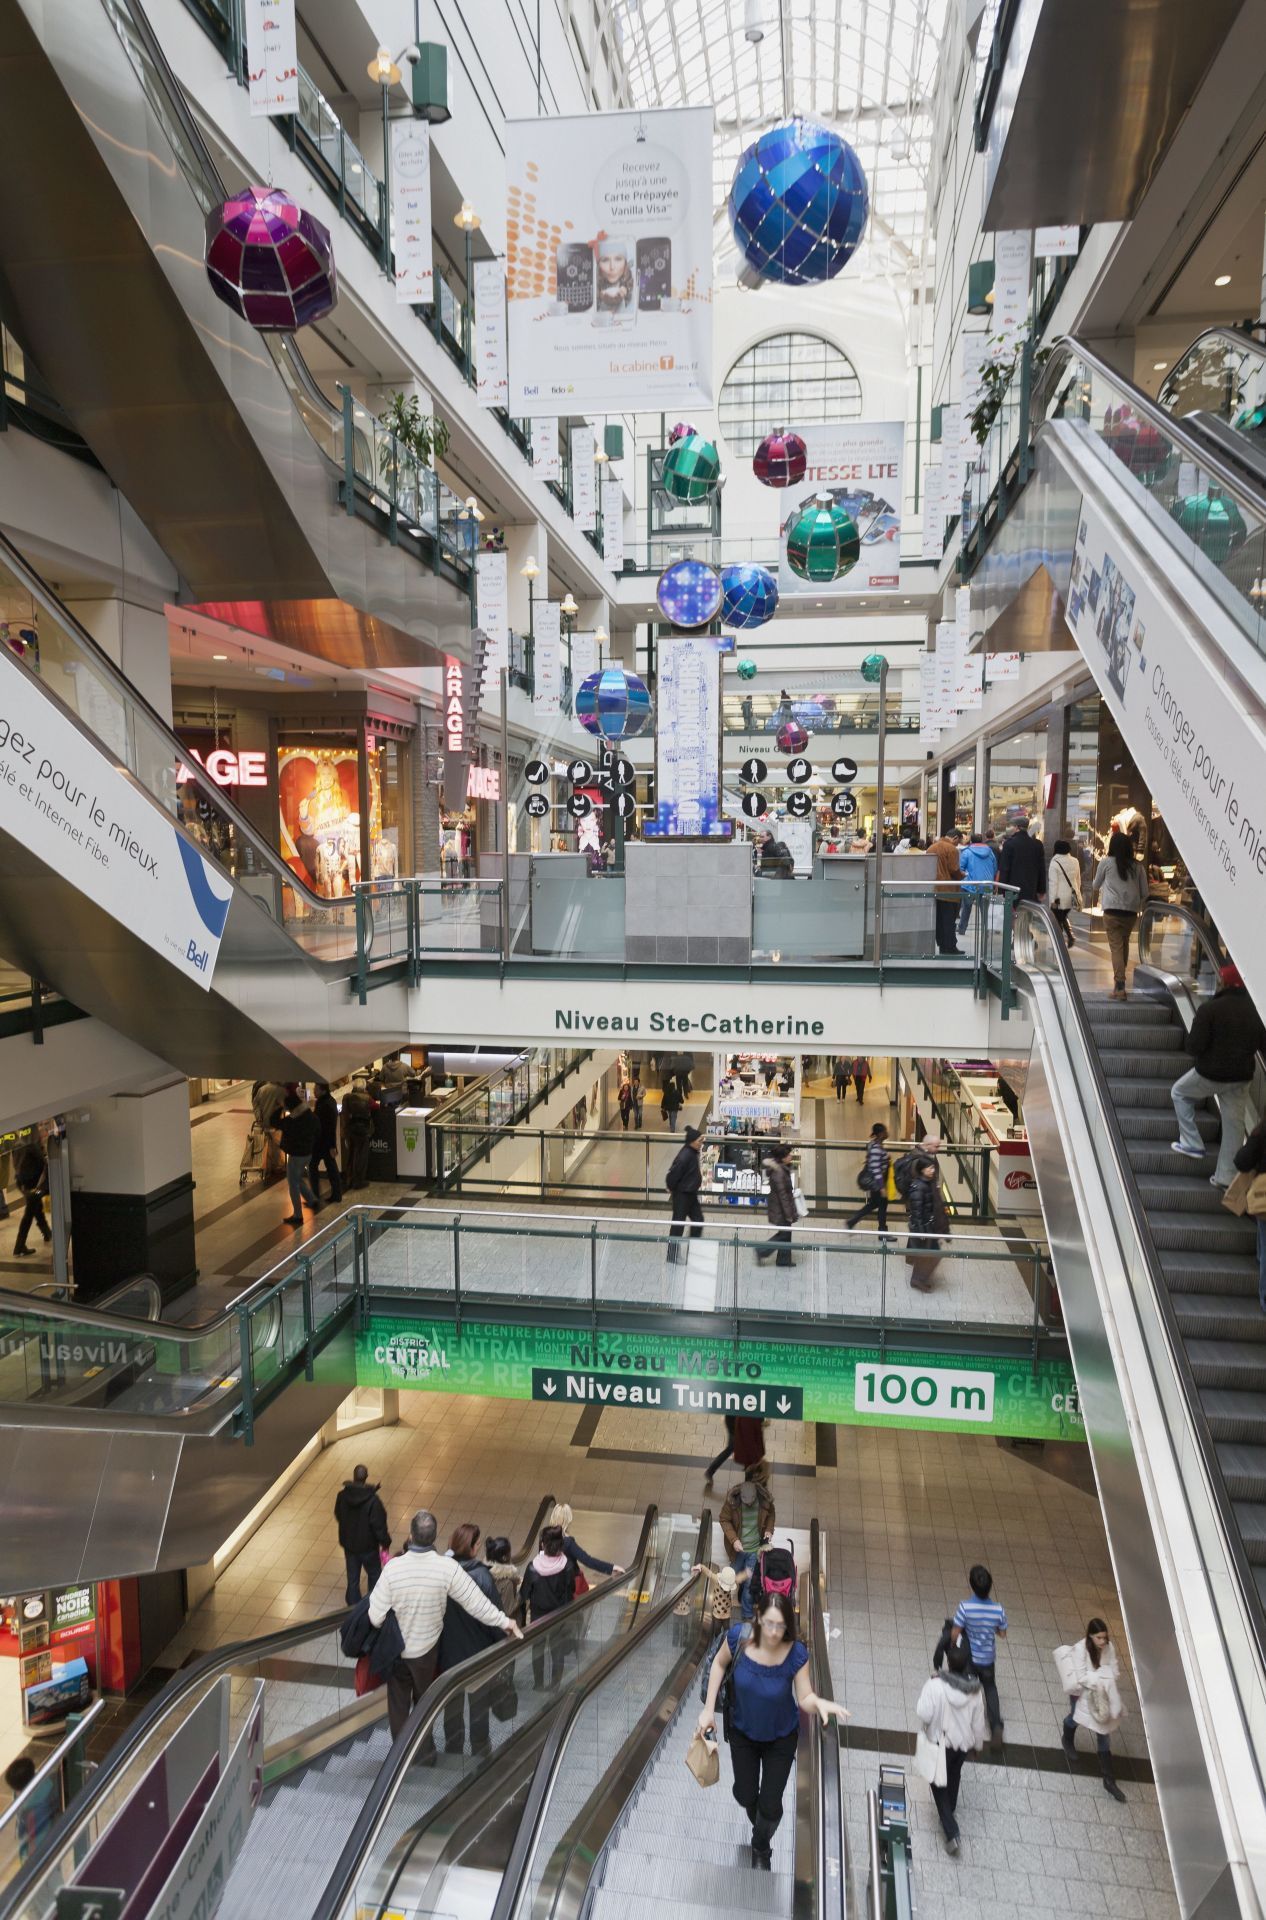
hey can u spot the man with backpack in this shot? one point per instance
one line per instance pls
(747, 1520)
(683, 1180)
(903, 1169)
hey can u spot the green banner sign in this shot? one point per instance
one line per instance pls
(767, 1379)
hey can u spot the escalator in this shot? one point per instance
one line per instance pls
(258, 487)
(282, 997)
(1136, 529)
(1158, 1288)
(322, 1749)
(602, 1818)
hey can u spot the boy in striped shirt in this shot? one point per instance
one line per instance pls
(984, 1622)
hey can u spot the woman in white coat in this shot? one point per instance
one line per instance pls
(951, 1711)
(1063, 886)
(1090, 1673)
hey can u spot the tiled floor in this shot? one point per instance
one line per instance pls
(904, 1514)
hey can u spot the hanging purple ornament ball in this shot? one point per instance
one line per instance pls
(791, 737)
(271, 261)
(681, 431)
(780, 460)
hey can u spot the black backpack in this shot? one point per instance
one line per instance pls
(903, 1171)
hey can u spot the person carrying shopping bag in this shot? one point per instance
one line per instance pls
(781, 1206)
(952, 1723)
(1090, 1674)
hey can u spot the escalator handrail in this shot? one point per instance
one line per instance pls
(1241, 340)
(1189, 439)
(832, 1834)
(219, 1659)
(514, 1880)
(60, 615)
(423, 1720)
(1232, 1542)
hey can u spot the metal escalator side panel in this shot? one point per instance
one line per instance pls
(828, 1836)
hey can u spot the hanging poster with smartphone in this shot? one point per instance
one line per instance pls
(688, 742)
(272, 56)
(613, 522)
(584, 479)
(492, 582)
(546, 462)
(609, 261)
(411, 210)
(491, 383)
(859, 465)
(546, 667)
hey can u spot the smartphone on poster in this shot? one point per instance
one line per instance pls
(574, 277)
(654, 272)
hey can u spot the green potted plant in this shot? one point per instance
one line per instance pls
(416, 440)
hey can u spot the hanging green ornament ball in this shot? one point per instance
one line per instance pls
(747, 669)
(822, 541)
(691, 468)
(1212, 521)
(872, 667)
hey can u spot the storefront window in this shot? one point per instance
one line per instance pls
(1017, 772)
(319, 800)
(390, 846)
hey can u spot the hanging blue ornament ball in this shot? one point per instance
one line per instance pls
(613, 704)
(872, 667)
(689, 593)
(749, 596)
(747, 669)
(798, 203)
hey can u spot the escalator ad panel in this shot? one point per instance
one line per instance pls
(1194, 745)
(770, 1379)
(70, 805)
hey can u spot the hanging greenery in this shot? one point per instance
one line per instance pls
(419, 434)
(996, 375)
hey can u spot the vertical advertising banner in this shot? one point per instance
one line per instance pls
(973, 352)
(546, 464)
(934, 514)
(411, 210)
(272, 56)
(929, 717)
(613, 522)
(493, 592)
(584, 478)
(75, 810)
(609, 261)
(859, 464)
(547, 670)
(1012, 284)
(584, 661)
(492, 387)
(1199, 750)
(688, 742)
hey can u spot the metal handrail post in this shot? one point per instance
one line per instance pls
(349, 452)
(504, 679)
(309, 1318)
(457, 1273)
(879, 818)
(593, 1277)
(1008, 928)
(246, 1371)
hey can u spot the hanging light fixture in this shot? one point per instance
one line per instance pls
(383, 70)
(529, 570)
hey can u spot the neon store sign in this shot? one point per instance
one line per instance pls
(454, 717)
(228, 769)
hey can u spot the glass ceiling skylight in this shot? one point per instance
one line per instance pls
(864, 67)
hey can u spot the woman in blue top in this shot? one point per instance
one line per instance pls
(769, 1686)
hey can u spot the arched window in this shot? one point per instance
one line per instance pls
(790, 380)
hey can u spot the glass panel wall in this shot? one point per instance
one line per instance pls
(1017, 771)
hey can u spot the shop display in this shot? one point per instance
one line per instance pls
(822, 541)
(689, 593)
(799, 203)
(613, 704)
(1139, 445)
(756, 1094)
(270, 260)
(780, 460)
(734, 1171)
(749, 598)
(320, 816)
(691, 468)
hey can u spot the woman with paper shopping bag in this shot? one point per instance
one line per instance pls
(952, 1724)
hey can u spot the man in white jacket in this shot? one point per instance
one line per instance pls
(951, 1711)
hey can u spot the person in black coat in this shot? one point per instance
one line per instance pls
(929, 1223)
(298, 1132)
(684, 1179)
(461, 1637)
(780, 1208)
(325, 1107)
(549, 1584)
(31, 1175)
(1022, 863)
(1224, 1040)
(361, 1519)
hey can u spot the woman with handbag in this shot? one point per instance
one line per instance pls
(1251, 1160)
(952, 1724)
(929, 1224)
(1063, 886)
(767, 1670)
(1089, 1674)
(780, 1210)
(873, 1180)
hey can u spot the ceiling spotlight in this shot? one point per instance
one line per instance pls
(899, 145)
(753, 26)
(219, 656)
(1222, 280)
(1159, 366)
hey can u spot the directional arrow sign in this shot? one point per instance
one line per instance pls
(664, 1393)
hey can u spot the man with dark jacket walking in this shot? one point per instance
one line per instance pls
(362, 1531)
(945, 851)
(780, 1208)
(358, 1130)
(1223, 1039)
(683, 1180)
(325, 1107)
(1022, 862)
(298, 1133)
(32, 1178)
